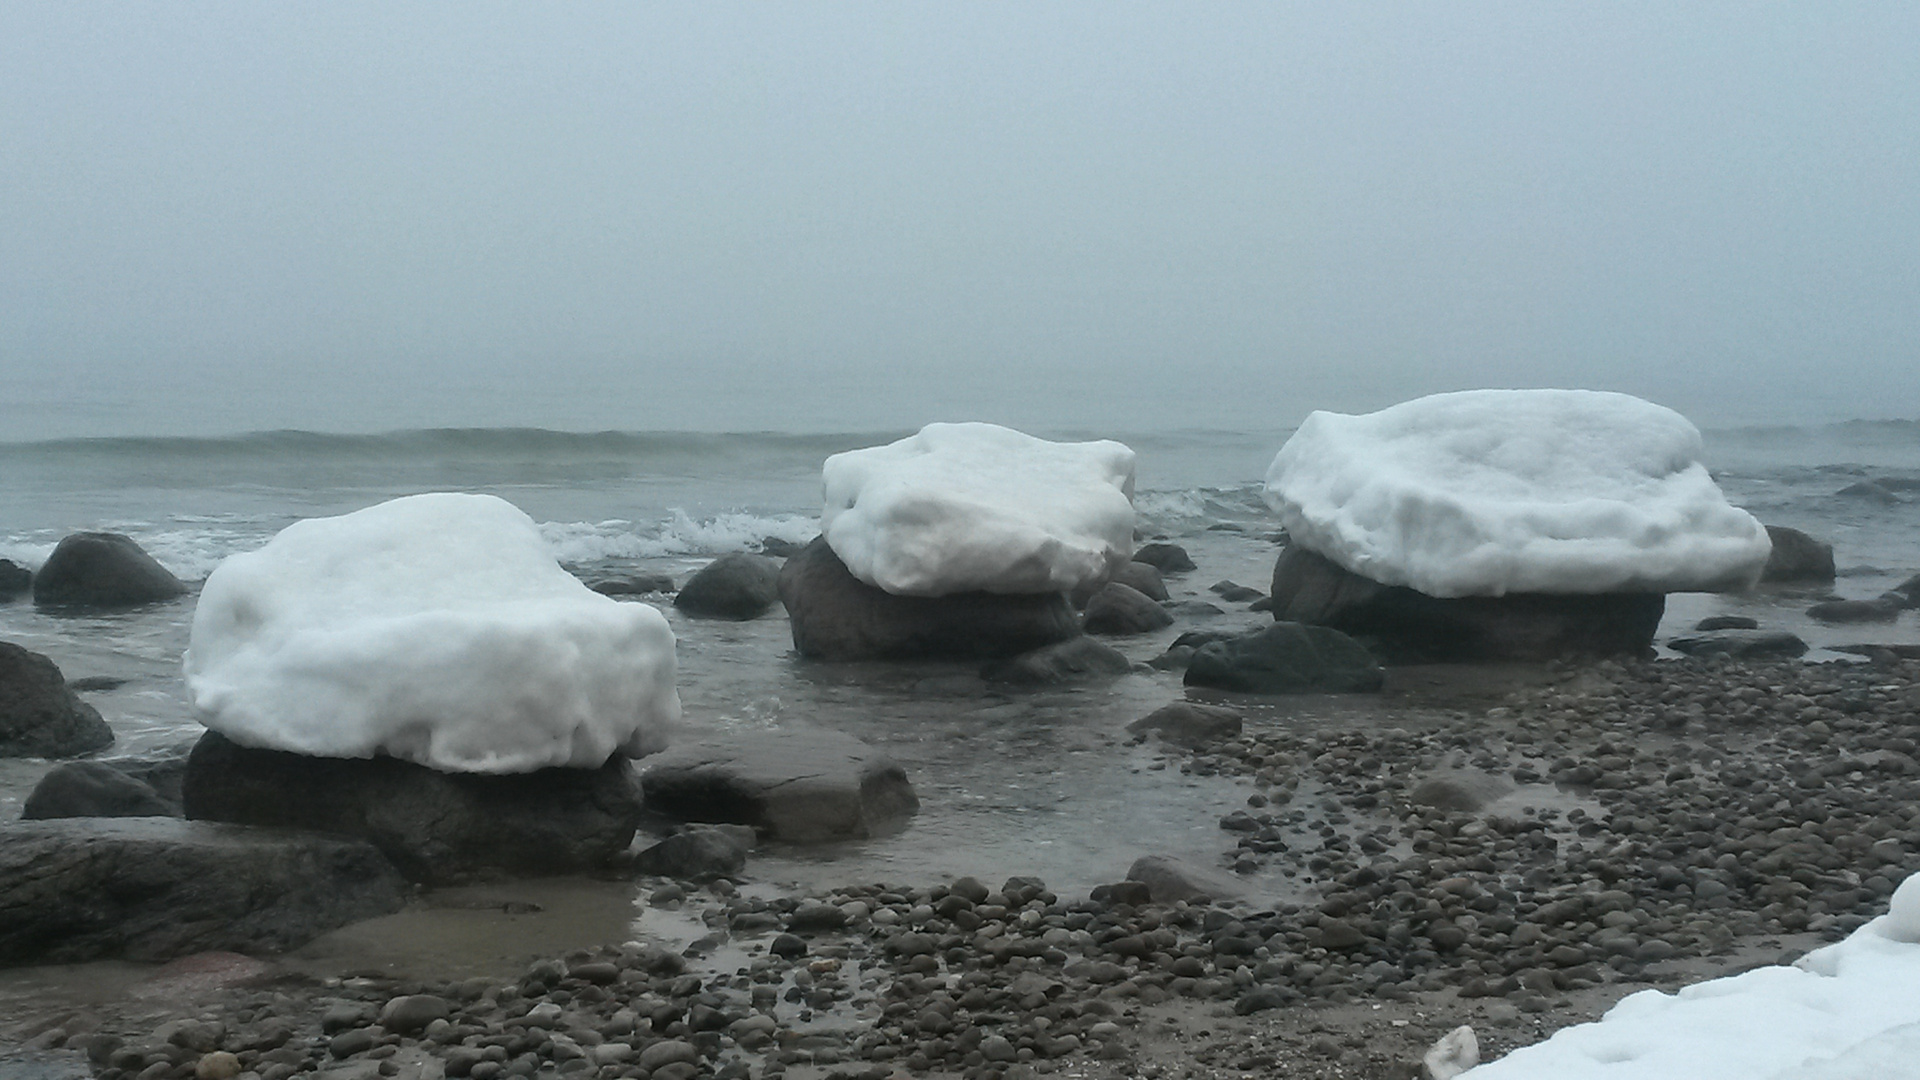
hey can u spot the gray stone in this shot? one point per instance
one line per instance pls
(15, 580)
(1164, 557)
(1797, 557)
(791, 785)
(632, 584)
(836, 616)
(1072, 660)
(698, 853)
(736, 586)
(102, 570)
(436, 827)
(1190, 725)
(1727, 622)
(1742, 644)
(1169, 878)
(40, 716)
(1405, 626)
(93, 789)
(1120, 609)
(151, 888)
(1465, 790)
(1286, 658)
(1880, 609)
(413, 1012)
(1134, 575)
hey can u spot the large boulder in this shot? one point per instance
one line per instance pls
(736, 586)
(1120, 609)
(836, 616)
(102, 569)
(15, 580)
(435, 826)
(94, 789)
(435, 628)
(1405, 626)
(1797, 557)
(152, 888)
(1287, 658)
(1068, 661)
(40, 716)
(791, 785)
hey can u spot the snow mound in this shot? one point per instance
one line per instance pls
(1487, 492)
(1850, 1010)
(435, 628)
(978, 507)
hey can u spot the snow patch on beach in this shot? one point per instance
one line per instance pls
(436, 628)
(963, 507)
(1850, 1011)
(1486, 492)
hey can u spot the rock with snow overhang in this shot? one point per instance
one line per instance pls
(438, 629)
(1492, 492)
(979, 508)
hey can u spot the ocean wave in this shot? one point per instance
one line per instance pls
(585, 543)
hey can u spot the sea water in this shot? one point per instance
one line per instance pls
(1039, 782)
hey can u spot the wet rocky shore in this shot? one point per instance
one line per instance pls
(1515, 854)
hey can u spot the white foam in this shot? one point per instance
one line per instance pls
(436, 628)
(964, 507)
(578, 542)
(1486, 492)
(1850, 1010)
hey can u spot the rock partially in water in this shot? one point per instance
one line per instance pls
(1727, 622)
(40, 716)
(1169, 878)
(1744, 644)
(1406, 626)
(1134, 575)
(804, 786)
(1069, 661)
(1189, 724)
(93, 789)
(156, 888)
(632, 584)
(1880, 609)
(1121, 609)
(736, 586)
(698, 853)
(15, 580)
(836, 616)
(1168, 558)
(1797, 557)
(436, 827)
(1287, 658)
(102, 570)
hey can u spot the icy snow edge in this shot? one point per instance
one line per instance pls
(1486, 492)
(435, 628)
(978, 507)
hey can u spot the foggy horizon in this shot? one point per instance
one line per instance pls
(224, 217)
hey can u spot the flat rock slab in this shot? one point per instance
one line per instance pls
(1741, 643)
(436, 827)
(152, 889)
(804, 786)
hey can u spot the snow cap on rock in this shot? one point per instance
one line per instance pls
(435, 628)
(1487, 492)
(978, 507)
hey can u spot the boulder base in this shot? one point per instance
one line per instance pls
(102, 569)
(1287, 658)
(155, 888)
(40, 716)
(792, 785)
(1405, 626)
(836, 616)
(436, 827)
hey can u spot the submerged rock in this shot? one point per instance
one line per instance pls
(836, 616)
(1069, 661)
(40, 716)
(436, 827)
(102, 569)
(155, 888)
(1287, 658)
(791, 785)
(736, 586)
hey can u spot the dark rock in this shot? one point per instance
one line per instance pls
(1908, 590)
(410, 1013)
(1069, 661)
(632, 584)
(836, 616)
(1880, 609)
(1727, 622)
(1797, 557)
(88, 684)
(151, 888)
(1405, 626)
(436, 827)
(791, 785)
(40, 716)
(1164, 557)
(1134, 575)
(1189, 725)
(1131, 893)
(91, 789)
(1196, 609)
(15, 580)
(1287, 658)
(102, 569)
(775, 548)
(736, 586)
(1234, 593)
(698, 853)
(1120, 609)
(1741, 644)
(1169, 878)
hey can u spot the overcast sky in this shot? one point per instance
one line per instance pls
(346, 216)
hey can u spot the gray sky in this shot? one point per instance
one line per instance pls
(230, 216)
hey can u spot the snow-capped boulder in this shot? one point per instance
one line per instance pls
(438, 629)
(1491, 492)
(979, 508)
